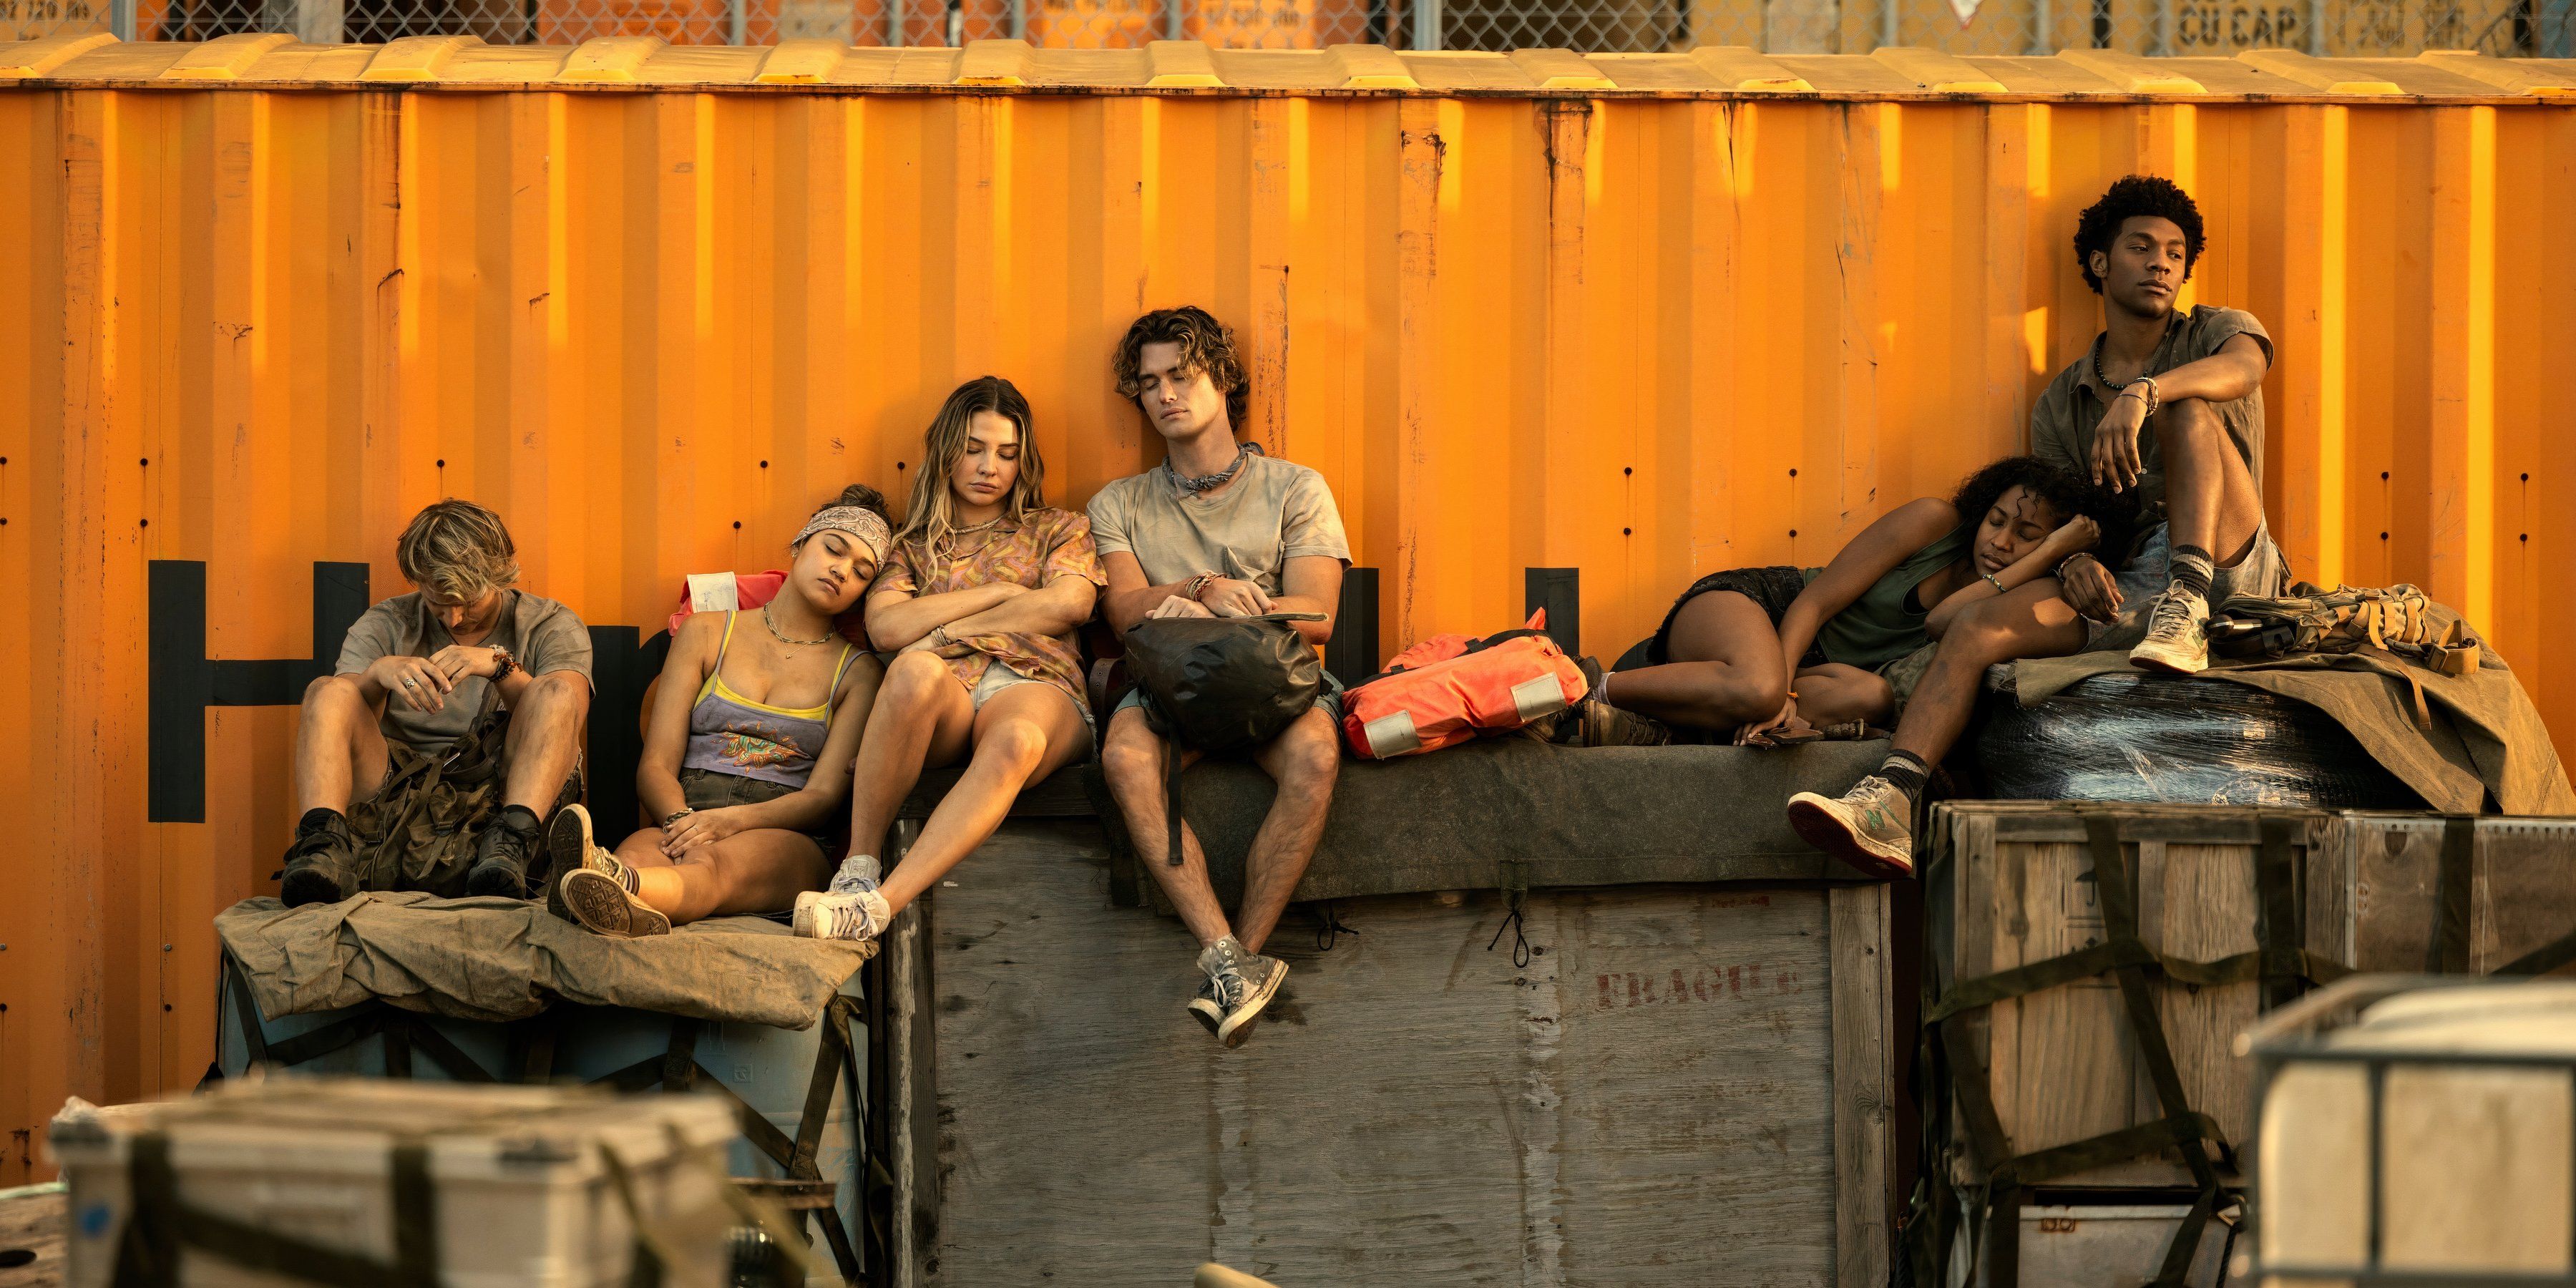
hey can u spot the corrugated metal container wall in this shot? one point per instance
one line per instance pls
(1619, 317)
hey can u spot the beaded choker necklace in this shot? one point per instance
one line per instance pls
(1193, 486)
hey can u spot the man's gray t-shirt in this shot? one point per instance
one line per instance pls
(2063, 421)
(542, 635)
(1273, 512)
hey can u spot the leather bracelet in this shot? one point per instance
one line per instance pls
(2060, 570)
(940, 635)
(1198, 587)
(507, 664)
(678, 814)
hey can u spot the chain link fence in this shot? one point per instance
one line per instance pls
(2333, 28)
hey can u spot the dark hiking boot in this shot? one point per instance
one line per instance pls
(322, 863)
(501, 856)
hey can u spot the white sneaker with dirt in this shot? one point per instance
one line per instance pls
(2177, 633)
(1870, 827)
(858, 872)
(569, 848)
(1240, 983)
(604, 906)
(856, 915)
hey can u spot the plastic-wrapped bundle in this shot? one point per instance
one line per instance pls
(2188, 740)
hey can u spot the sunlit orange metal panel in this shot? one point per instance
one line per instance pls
(654, 310)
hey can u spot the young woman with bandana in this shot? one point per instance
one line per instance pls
(747, 752)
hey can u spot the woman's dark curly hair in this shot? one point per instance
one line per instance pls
(2064, 493)
(1207, 348)
(2139, 195)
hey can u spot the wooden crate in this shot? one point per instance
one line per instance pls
(2011, 883)
(1683, 1085)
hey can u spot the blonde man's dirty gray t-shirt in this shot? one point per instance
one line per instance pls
(541, 635)
(1273, 512)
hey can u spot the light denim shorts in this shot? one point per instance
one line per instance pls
(998, 677)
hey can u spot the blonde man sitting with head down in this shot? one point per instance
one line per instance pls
(415, 670)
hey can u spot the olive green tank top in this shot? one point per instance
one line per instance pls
(1877, 629)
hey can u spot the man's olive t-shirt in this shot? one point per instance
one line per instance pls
(2062, 424)
(1273, 512)
(540, 634)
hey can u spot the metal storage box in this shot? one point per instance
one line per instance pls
(772, 1072)
(485, 1186)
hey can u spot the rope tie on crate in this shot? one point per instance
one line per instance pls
(2281, 962)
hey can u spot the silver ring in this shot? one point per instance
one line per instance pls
(411, 684)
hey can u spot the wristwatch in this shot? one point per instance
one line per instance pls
(504, 665)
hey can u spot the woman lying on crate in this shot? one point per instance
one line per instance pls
(1780, 655)
(747, 750)
(979, 602)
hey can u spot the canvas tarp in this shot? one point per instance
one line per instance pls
(503, 959)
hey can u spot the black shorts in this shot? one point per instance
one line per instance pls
(1773, 588)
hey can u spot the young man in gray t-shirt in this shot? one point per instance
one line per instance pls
(415, 670)
(1218, 529)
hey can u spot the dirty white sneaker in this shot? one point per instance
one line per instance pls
(603, 905)
(1240, 983)
(569, 848)
(1870, 827)
(858, 872)
(855, 915)
(2177, 633)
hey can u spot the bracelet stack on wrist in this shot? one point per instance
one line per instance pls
(1198, 587)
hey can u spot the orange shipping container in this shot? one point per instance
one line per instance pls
(1637, 316)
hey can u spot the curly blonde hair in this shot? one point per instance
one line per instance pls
(1207, 348)
(458, 550)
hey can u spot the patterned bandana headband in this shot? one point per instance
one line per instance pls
(862, 524)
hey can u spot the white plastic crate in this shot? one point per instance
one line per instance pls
(2419, 1130)
(522, 1192)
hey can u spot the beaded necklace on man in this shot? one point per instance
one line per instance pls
(1190, 486)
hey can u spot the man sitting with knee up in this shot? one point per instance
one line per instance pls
(2167, 404)
(415, 670)
(1218, 529)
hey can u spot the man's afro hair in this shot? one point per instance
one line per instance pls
(2130, 198)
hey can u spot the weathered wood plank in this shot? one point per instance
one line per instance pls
(2070, 1071)
(1647, 1100)
(1864, 1075)
(31, 1221)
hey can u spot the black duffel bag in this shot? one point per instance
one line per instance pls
(1219, 684)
